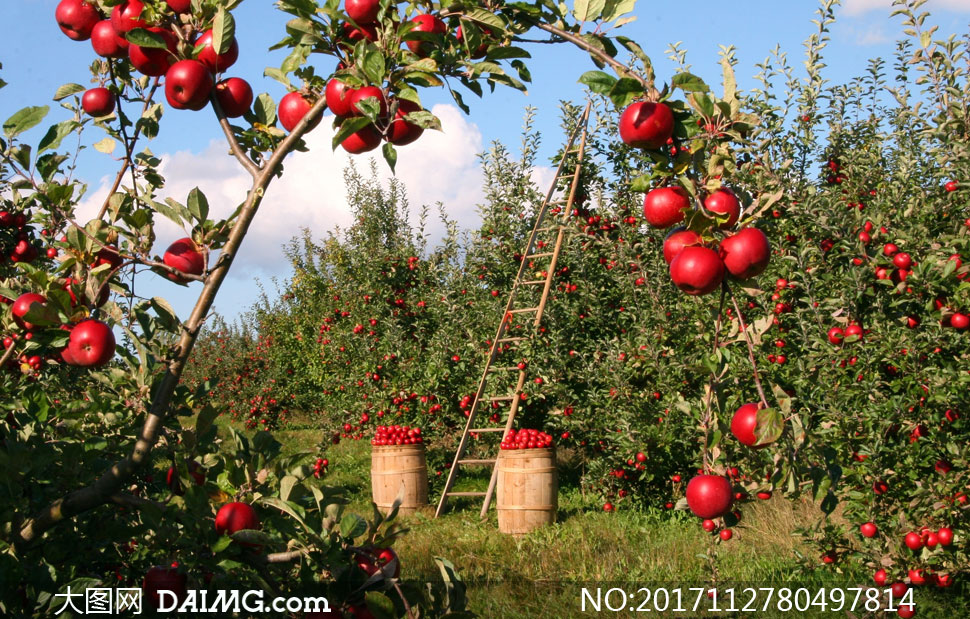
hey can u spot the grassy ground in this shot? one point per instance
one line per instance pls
(544, 573)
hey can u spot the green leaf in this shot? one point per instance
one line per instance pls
(166, 314)
(625, 90)
(223, 31)
(769, 426)
(205, 419)
(390, 155)
(372, 64)
(106, 146)
(351, 125)
(352, 526)
(487, 18)
(597, 81)
(617, 8)
(144, 38)
(265, 110)
(48, 165)
(689, 82)
(588, 10)
(642, 183)
(286, 486)
(198, 205)
(24, 119)
(55, 135)
(501, 53)
(380, 605)
(67, 90)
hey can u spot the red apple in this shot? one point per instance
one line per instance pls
(951, 186)
(216, 62)
(381, 557)
(880, 577)
(899, 589)
(338, 97)
(482, 50)
(836, 335)
(362, 11)
(677, 240)
(76, 18)
(233, 517)
(365, 31)
(188, 85)
(726, 534)
(645, 124)
(709, 496)
(697, 270)
(889, 249)
(945, 536)
(902, 260)
(913, 541)
(401, 132)
(724, 202)
(98, 102)
(709, 525)
(293, 107)
(184, 256)
(959, 321)
(744, 423)
(427, 24)
(868, 529)
(364, 140)
(107, 42)
(180, 6)
(152, 61)
(235, 96)
(127, 16)
(853, 331)
(665, 206)
(364, 93)
(195, 471)
(161, 578)
(746, 254)
(91, 344)
(22, 305)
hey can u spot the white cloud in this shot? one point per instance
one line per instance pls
(441, 166)
(858, 7)
(874, 34)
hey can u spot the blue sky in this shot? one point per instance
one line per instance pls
(37, 58)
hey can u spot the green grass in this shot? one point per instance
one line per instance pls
(542, 574)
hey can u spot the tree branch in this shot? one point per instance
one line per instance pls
(747, 340)
(234, 147)
(111, 481)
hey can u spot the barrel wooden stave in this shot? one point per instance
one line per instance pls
(392, 465)
(527, 489)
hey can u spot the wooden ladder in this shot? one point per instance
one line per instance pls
(501, 335)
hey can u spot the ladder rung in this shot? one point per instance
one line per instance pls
(488, 430)
(465, 493)
(472, 461)
(502, 398)
(534, 282)
(523, 310)
(549, 228)
(503, 340)
(505, 369)
(542, 255)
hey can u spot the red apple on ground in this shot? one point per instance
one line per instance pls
(665, 206)
(902, 260)
(233, 517)
(127, 16)
(868, 529)
(364, 140)
(645, 124)
(184, 255)
(216, 62)
(98, 102)
(951, 186)
(429, 24)
(293, 107)
(161, 578)
(724, 202)
(338, 97)
(188, 84)
(76, 18)
(746, 254)
(697, 270)
(880, 577)
(913, 541)
(106, 41)
(152, 61)
(22, 305)
(726, 534)
(744, 423)
(401, 132)
(91, 344)
(677, 240)
(362, 11)
(709, 496)
(945, 536)
(235, 96)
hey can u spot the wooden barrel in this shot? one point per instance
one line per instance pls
(527, 489)
(394, 465)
